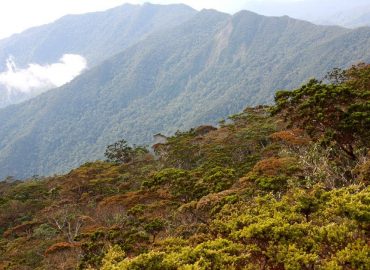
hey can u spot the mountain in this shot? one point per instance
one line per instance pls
(94, 36)
(256, 193)
(211, 66)
(353, 18)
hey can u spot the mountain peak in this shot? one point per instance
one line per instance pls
(247, 13)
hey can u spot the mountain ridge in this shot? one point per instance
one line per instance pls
(109, 21)
(329, 12)
(92, 37)
(211, 66)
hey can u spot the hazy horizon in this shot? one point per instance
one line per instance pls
(38, 12)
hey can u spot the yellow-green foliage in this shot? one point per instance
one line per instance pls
(294, 233)
(216, 254)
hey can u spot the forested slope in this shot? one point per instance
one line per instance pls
(282, 187)
(211, 66)
(29, 60)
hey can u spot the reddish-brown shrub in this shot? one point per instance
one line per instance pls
(21, 230)
(61, 246)
(274, 166)
(294, 137)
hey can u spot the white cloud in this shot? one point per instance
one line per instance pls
(38, 78)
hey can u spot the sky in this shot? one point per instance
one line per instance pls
(18, 15)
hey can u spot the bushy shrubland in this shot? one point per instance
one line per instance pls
(262, 192)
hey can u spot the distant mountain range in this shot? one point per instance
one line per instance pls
(94, 36)
(98, 36)
(198, 71)
(356, 17)
(354, 13)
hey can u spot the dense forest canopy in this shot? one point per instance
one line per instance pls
(282, 187)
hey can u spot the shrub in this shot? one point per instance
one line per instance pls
(45, 231)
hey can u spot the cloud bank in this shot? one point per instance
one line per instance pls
(39, 78)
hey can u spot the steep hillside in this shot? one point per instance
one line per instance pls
(199, 72)
(96, 36)
(266, 191)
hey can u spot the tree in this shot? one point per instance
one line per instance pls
(121, 152)
(336, 114)
(154, 227)
(68, 221)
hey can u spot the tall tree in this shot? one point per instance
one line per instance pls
(336, 113)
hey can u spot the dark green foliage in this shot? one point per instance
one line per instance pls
(30, 190)
(182, 184)
(333, 113)
(218, 179)
(154, 227)
(121, 152)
